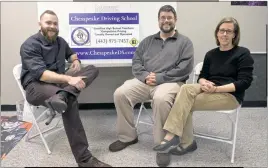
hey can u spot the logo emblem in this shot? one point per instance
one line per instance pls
(80, 36)
(133, 42)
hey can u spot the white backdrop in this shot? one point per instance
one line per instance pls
(147, 12)
(148, 19)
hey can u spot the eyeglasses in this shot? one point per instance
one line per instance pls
(162, 19)
(222, 31)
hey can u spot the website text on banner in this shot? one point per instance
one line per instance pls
(104, 35)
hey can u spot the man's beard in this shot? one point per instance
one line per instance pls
(172, 27)
(45, 33)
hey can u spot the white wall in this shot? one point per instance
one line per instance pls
(15, 29)
(200, 22)
(197, 20)
(0, 52)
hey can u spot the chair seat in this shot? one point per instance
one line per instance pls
(220, 111)
(148, 101)
(226, 111)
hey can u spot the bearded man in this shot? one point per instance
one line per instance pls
(46, 82)
(161, 65)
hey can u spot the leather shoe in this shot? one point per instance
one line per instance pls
(181, 151)
(165, 147)
(57, 103)
(118, 145)
(93, 162)
(162, 159)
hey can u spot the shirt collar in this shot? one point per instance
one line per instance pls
(43, 39)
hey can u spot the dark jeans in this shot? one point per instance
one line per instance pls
(38, 92)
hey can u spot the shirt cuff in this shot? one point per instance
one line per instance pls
(143, 76)
(159, 77)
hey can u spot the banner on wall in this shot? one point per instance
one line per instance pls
(104, 35)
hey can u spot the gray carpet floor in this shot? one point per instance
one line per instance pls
(251, 148)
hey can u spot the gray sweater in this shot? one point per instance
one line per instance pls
(172, 60)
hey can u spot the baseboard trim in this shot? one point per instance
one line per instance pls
(98, 106)
(82, 106)
(92, 106)
(254, 104)
(8, 107)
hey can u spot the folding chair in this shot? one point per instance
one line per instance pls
(142, 107)
(232, 138)
(33, 110)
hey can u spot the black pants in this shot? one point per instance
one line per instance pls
(38, 92)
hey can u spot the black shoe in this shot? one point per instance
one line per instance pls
(181, 151)
(165, 147)
(93, 162)
(162, 159)
(57, 103)
(118, 145)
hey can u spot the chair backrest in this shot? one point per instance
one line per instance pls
(197, 70)
(16, 73)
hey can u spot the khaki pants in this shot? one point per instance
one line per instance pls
(134, 91)
(189, 99)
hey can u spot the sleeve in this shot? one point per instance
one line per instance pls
(245, 72)
(138, 69)
(32, 58)
(204, 73)
(183, 68)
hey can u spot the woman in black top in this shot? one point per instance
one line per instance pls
(225, 75)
